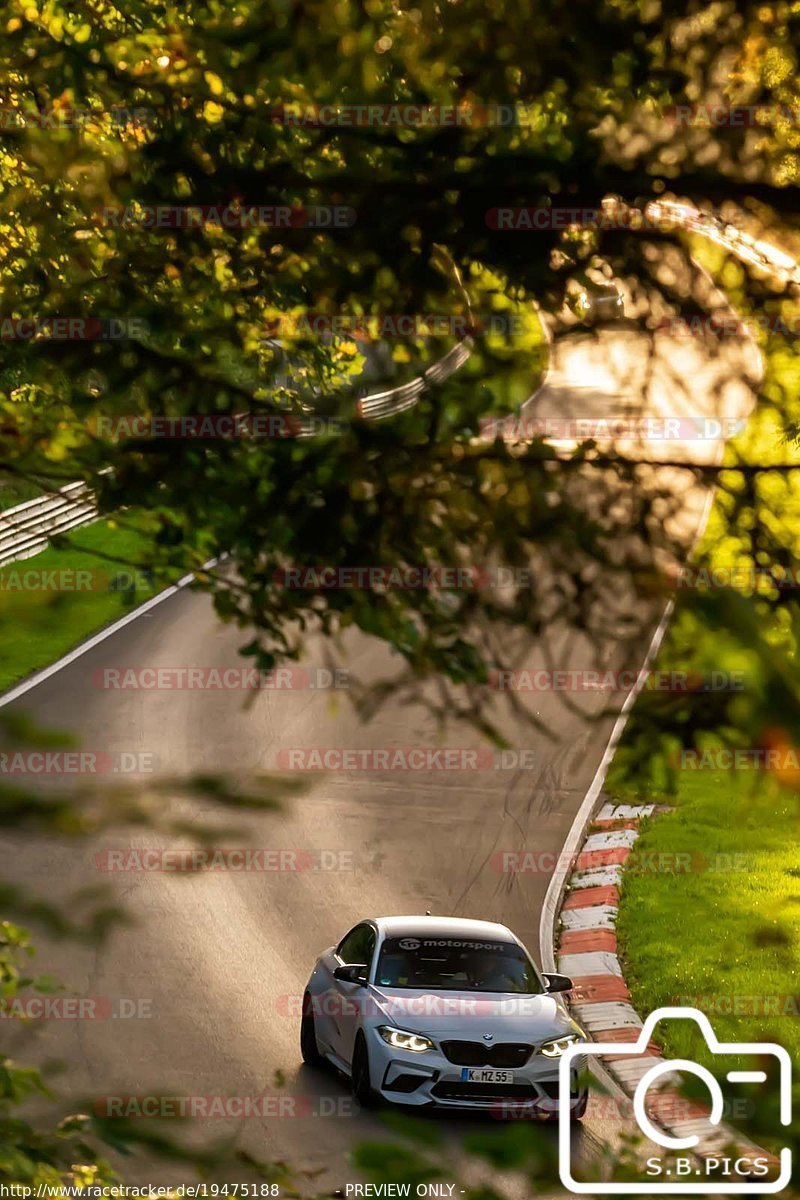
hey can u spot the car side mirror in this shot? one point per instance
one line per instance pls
(351, 973)
(558, 983)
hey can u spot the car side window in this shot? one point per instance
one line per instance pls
(358, 946)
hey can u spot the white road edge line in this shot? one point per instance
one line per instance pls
(558, 880)
(38, 677)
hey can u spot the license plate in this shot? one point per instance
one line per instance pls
(485, 1075)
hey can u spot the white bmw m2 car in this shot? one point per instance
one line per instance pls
(441, 1011)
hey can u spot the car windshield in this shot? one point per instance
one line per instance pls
(456, 964)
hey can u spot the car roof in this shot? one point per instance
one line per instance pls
(450, 927)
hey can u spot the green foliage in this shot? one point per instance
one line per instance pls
(204, 85)
(101, 582)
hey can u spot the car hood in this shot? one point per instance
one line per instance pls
(469, 1015)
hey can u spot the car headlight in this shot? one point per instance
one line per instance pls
(557, 1047)
(403, 1039)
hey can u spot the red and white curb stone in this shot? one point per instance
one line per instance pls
(600, 999)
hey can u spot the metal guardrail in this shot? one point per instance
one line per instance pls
(26, 529)
(388, 404)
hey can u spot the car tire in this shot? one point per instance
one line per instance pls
(309, 1050)
(359, 1075)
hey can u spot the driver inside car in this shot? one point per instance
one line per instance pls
(491, 973)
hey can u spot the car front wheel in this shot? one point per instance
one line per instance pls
(309, 1049)
(359, 1075)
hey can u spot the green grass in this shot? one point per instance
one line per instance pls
(14, 491)
(729, 926)
(41, 624)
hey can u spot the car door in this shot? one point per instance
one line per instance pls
(356, 947)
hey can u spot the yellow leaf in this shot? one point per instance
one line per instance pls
(212, 112)
(215, 83)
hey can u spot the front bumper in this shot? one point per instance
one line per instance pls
(430, 1079)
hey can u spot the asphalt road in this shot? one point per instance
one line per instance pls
(216, 962)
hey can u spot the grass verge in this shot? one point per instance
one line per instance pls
(53, 601)
(722, 932)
